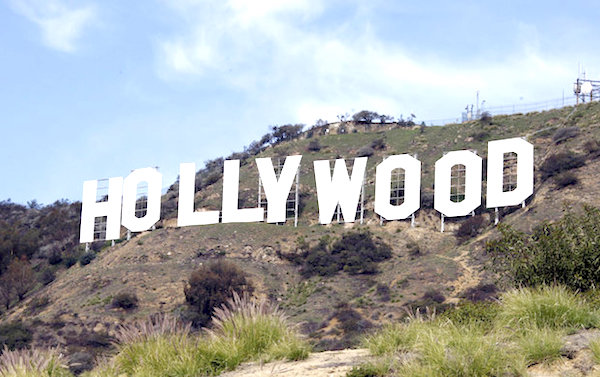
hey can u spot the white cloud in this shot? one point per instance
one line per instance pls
(61, 26)
(266, 49)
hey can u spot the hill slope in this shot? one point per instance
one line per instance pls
(426, 267)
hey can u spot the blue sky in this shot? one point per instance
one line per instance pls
(94, 89)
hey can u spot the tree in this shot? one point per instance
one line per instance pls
(286, 132)
(211, 285)
(6, 292)
(365, 116)
(20, 275)
(385, 118)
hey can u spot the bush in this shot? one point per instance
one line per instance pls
(314, 145)
(565, 252)
(369, 370)
(350, 321)
(564, 134)
(87, 258)
(470, 228)
(481, 292)
(37, 304)
(47, 275)
(560, 162)
(481, 313)
(592, 147)
(125, 300)
(378, 144)
(15, 335)
(212, 285)
(354, 252)
(480, 136)
(565, 179)
(431, 301)
(486, 118)
(365, 151)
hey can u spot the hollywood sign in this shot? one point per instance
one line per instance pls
(333, 190)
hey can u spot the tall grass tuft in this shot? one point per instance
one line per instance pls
(244, 329)
(155, 326)
(255, 328)
(464, 351)
(545, 307)
(595, 348)
(32, 363)
(540, 345)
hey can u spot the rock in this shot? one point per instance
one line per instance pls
(576, 342)
(99, 328)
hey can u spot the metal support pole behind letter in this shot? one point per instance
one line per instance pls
(362, 201)
(297, 198)
(496, 218)
(442, 224)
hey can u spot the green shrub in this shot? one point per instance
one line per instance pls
(480, 292)
(211, 285)
(369, 370)
(314, 146)
(481, 136)
(470, 228)
(565, 252)
(47, 275)
(355, 252)
(486, 118)
(125, 300)
(378, 144)
(87, 258)
(564, 134)
(559, 162)
(564, 179)
(592, 148)
(482, 313)
(366, 151)
(15, 335)
(37, 304)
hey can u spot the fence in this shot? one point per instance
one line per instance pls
(509, 109)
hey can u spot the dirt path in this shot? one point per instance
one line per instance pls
(322, 364)
(468, 278)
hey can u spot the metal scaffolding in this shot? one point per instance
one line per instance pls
(457, 183)
(509, 178)
(509, 172)
(100, 221)
(360, 208)
(291, 207)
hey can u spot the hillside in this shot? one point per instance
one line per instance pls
(426, 267)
